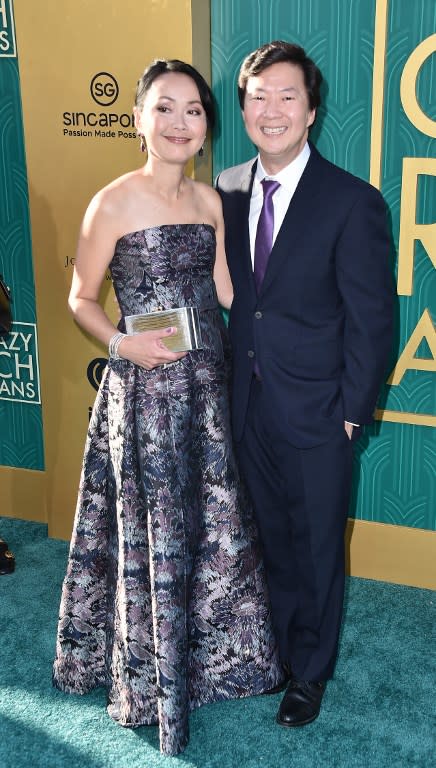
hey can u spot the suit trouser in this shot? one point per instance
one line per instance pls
(301, 499)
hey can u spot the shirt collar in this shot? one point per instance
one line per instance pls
(286, 177)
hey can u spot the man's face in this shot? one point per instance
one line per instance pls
(277, 115)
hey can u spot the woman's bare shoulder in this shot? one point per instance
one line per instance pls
(113, 202)
(119, 189)
(205, 190)
(209, 200)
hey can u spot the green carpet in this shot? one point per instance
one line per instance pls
(378, 712)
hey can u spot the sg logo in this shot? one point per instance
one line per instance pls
(104, 89)
(95, 371)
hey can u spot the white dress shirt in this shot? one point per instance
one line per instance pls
(288, 179)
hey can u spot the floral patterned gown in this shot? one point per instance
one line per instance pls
(164, 601)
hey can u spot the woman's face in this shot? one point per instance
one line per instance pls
(172, 118)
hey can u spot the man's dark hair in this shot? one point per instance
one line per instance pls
(162, 67)
(273, 53)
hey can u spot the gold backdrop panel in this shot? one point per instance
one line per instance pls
(79, 62)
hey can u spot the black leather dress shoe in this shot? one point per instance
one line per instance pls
(301, 703)
(7, 559)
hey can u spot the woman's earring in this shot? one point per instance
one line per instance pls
(142, 143)
(201, 151)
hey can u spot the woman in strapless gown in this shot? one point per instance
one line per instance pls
(164, 601)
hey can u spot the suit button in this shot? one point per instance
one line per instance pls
(250, 353)
(258, 315)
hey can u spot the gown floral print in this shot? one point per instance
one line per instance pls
(164, 600)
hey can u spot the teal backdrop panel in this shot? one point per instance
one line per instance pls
(21, 435)
(395, 477)
(409, 477)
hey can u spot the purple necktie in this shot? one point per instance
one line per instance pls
(265, 230)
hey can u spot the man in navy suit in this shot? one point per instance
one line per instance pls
(311, 332)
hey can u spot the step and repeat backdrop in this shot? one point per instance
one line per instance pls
(68, 71)
(21, 443)
(378, 120)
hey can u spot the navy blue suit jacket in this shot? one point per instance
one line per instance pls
(320, 329)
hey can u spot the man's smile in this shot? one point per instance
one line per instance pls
(268, 131)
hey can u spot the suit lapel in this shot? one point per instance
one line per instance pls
(246, 188)
(296, 219)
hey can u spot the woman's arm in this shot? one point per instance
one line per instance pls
(94, 253)
(221, 274)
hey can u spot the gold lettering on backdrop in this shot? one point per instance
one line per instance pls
(7, 32)
(412, 108)
(378, 79)
(407, 360)
(409, 229)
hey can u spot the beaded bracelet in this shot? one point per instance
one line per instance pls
(114, 343)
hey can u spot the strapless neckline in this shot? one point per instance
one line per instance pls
(165, 226)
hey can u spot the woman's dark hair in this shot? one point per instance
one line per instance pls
(161, 67)
(273, 53)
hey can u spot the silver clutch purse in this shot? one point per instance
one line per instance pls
(185, 319)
